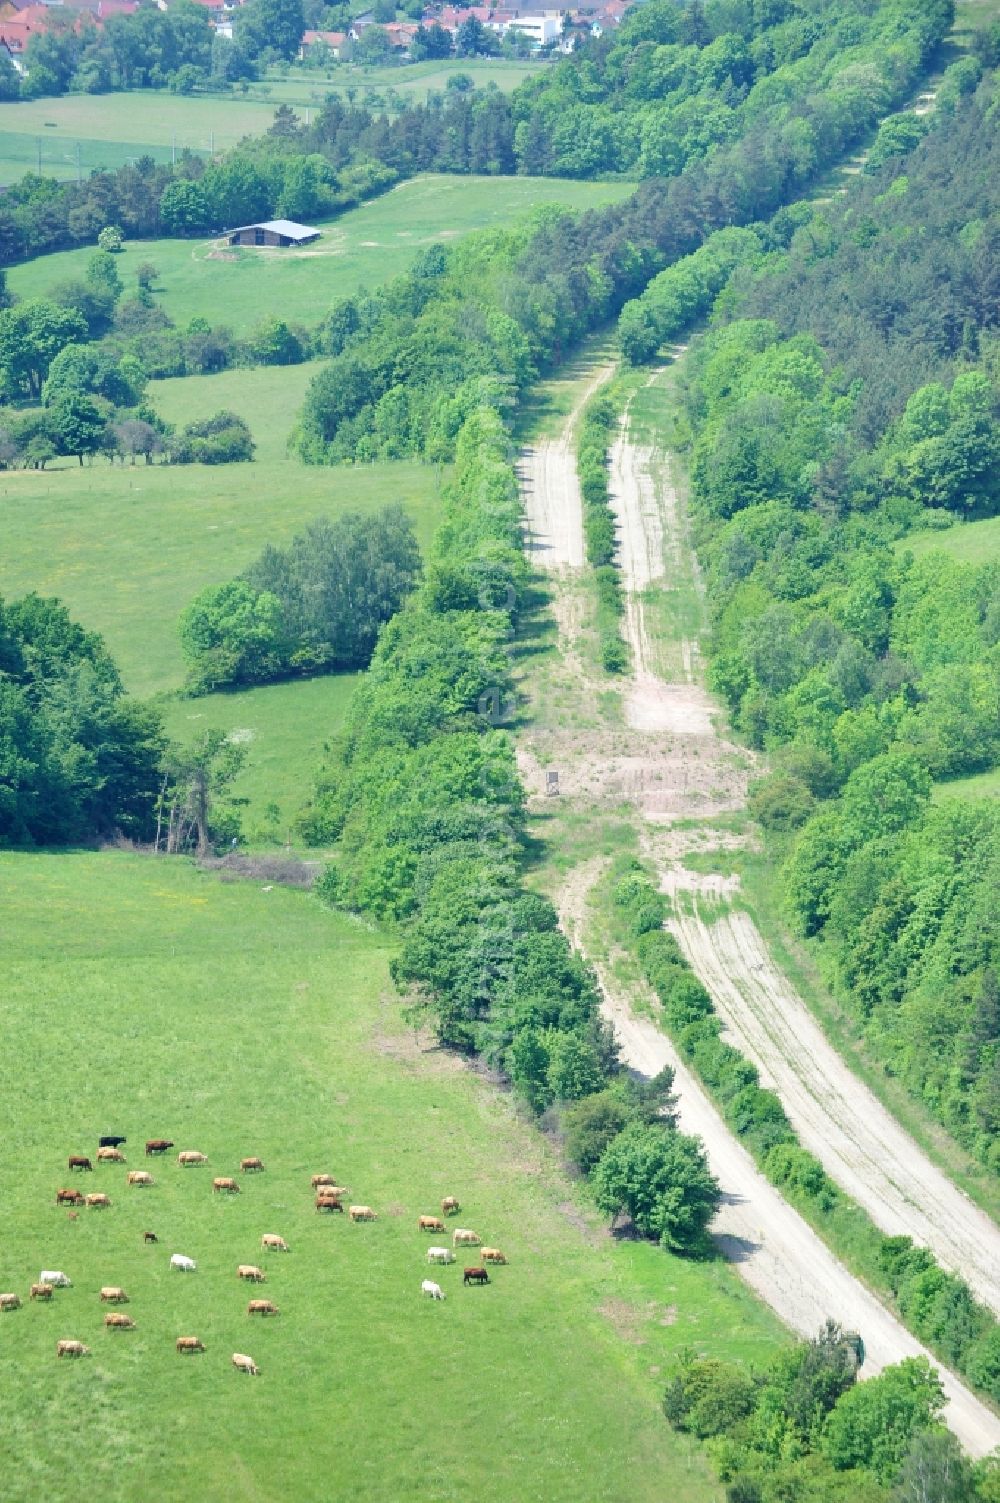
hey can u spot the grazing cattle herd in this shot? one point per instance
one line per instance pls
(328, 1198)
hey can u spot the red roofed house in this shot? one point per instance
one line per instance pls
(333, 39)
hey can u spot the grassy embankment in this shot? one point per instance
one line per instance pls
(364, 247)
(147, 998)
(112, 128)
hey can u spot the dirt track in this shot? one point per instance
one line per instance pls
(837, 1117)
(775, 1251)
(553, 509)
(675, 747)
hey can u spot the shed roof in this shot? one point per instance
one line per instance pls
(286, 227)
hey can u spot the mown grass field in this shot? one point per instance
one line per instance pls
(127, 548)
(970, 542)
(364, 247)
(146, 998)
(285, 728)
(305, 87)
(112, 128)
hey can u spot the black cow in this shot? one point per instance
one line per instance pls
(475, 1276)
(110, 1141)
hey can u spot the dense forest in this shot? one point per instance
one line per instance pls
(847, 395)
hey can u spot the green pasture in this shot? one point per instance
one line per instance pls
(364, 247)
(127, 548)
(970, 542)
(147, 998)
(979, 785)
(412, 82)
(284, 728)
(112, 128)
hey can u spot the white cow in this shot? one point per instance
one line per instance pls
(440, 1255)
(52, 1276)
(434, 1290)
(186, 1265)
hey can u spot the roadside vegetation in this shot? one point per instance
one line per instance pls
(935, 1305)
(867, 673)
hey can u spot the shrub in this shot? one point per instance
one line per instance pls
(614, 653)
(222, 439)
(111, 238)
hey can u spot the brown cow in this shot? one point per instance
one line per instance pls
(361, 1213)
(191, 1156)
(150, 1237)
(228, 1185)
(117, 1322)
(78, 1161)
(42, 1291)
(492, 1255)
(113, 1294)
(328, 1203)
(430, 1224)
(475, 1276)
(274, 1243)
(139, 1177)
(321, 1179)
(72, 1349)
(98, 1201)
(158, 1145)
(262, 1307)
(10, 1302)
(244, 1364)
(189, 1344)
(110, 1156)
(450, 1205)
(251, 1166)
(249, 1271)
(69, 1198)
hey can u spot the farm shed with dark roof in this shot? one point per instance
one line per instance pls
(272, 232)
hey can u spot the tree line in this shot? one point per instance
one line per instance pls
(421, 800)
(411, 359)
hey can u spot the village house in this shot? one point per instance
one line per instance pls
(333, 39)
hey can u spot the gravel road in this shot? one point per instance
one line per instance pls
(859, 1143)
(553, 508)
(770, 1245)
(776, 1252)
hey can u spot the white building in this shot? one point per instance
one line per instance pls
(539, 29)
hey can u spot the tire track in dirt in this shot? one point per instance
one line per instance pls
(859, 1143)
(553, 506)
(772, 1247)
(678, 757)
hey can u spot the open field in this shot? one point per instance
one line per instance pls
(128, 548)
(244, 1021)
(284, 727)
(980, 785)
(305, 87)
(970, 542)
(112, 128)
(365, 247)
